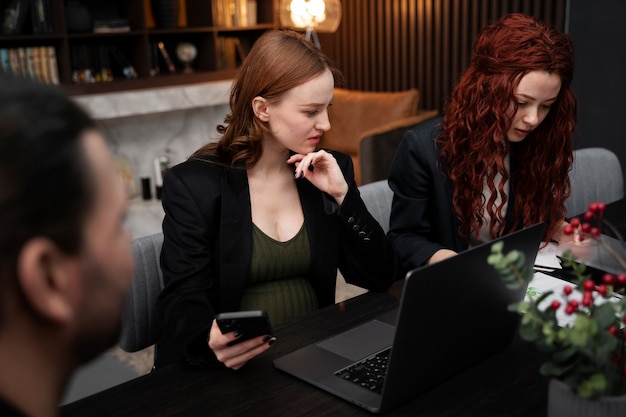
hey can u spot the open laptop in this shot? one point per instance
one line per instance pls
(452, 314)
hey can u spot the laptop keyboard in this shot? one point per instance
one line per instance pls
(368, 373)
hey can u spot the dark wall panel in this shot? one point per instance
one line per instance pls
(392, 45)
(599, 34)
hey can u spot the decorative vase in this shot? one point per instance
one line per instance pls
(563, 402)
(165, 13)
(77, 17)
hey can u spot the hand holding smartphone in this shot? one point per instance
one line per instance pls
(250, 324)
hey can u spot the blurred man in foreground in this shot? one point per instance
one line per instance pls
(65, 258)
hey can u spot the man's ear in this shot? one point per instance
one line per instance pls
(46, 276)
(259, 106)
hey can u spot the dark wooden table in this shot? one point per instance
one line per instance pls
(507, 384)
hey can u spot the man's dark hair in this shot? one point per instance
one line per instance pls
(46, 188)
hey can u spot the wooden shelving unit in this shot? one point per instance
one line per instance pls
(136, 44)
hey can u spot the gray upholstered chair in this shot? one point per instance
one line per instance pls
(596, 175)
(139, 323)
(378, 146)
(377, 197)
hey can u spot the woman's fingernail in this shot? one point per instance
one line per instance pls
(237, 333)
(266, 338)
(272, 341)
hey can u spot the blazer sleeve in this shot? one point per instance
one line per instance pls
(367, 258)
(422, 218)
(184, 306)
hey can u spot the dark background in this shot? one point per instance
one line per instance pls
(598, 30)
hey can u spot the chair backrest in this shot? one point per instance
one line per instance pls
(139, 322)
(377, 197)
(354, 112)
(596, 175)
(378, 146)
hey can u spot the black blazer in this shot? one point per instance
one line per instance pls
(208, 244)
(422, 218)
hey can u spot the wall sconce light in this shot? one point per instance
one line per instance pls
(311, 15)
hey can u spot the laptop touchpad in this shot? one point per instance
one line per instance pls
(362, 341)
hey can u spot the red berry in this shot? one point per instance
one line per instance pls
(575, 222)
(621, 279)
(602, 290)
(568, 229)
(573, 303)
(608, 279)
(624, 319)
(588, 215)
(567, 290)
(556, 304)
(569, 309)
(588, 285)
(593, 207)
(587, 299)
(595, 232)
(612, 329)
(585, 227)
(601, 206)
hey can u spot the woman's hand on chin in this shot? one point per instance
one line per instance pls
(322, 170)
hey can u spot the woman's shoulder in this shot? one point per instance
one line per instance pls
(428, 129)
(202, 168)
(200, 164)
(423, 137)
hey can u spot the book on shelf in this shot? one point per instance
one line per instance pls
(232, 13)
(53, 68)
(26, 16)
(30, 63)
(231, 52)
(4, 61)
(22, 63)
(14, 16)
(40, 16)
(41, 54)
(14, 62)
(35, 62)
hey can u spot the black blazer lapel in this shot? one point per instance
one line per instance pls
(235, 237)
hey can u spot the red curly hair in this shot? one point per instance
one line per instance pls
(478, 111)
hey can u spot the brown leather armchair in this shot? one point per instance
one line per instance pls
(354, 113)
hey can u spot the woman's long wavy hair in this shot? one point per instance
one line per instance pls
(278, 61)
(478, 111)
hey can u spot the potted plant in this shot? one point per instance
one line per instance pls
(587, 357)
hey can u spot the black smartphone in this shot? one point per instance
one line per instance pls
(250, 324)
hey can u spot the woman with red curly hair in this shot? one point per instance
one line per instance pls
(499, 158)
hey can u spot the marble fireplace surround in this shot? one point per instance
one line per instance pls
(141, 125)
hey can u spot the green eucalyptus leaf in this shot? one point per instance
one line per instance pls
(604, 314)
(583, 330)
(530, 330)
(551, 368)
(565, 354)
(592, 387)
